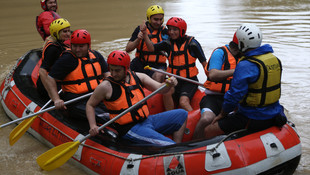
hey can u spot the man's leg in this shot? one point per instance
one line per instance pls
(168, 100)
(205, 120)
(178, 135)
(171, 122)
(226, 125)
(210, 107)
(153, 129)
(185, 103)
(212, 131)
(186, 91)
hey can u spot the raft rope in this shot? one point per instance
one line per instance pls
(151, 156)
(28, 110)
(146, 157)
(188, 152)
(7, 83)
(121, 157)
(10, 74)
(131, 160)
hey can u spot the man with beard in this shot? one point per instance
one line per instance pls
(79, 71)
(123, 89)
(44, 20)
(183, 51)
(156, 32)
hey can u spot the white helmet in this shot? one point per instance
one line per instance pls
(249, 36)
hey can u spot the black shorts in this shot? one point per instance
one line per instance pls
(185, 88)
(212, 102)
(237, 121)
(137, 65)
(77, 109)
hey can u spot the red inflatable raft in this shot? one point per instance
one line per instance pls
(272, 151)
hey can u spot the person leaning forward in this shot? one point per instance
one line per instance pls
(52, 49)
(79, 72)
(123, 89)
(219, 71)
(156, 32)
(255, 89)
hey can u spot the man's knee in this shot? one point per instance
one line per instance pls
(184, 100)
(207, 117)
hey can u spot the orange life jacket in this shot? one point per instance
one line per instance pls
(86, 76)
(64, 47)
(143, 52)
(180, 60)
(35, 73)
(229, 63)
(131, 93)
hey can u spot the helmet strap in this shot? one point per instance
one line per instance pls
(241, 44)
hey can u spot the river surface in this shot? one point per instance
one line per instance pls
(285, 25)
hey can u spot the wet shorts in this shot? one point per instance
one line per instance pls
(212, 102)
(185, 88)
(137, 65)
(237, 121)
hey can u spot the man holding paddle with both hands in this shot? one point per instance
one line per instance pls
(79, 71)
(123, 89)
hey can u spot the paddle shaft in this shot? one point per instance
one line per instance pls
(60, 154)
(46, 110)
(21, 128)
(176, 76)
(127, 110)
(49, 101)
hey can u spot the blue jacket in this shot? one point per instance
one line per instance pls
(245, 73)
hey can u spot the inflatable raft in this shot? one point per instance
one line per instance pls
(272, 151)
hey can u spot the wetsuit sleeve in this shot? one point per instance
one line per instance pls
(164, 45)
(196, 51)
(216, 60)
(63, 66)
(134, 35)
(51, 54)
(47, 19)
(245, 73)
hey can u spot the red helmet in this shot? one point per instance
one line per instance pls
(179, 23)
(119, 58)
(44, 6)
(80, 36)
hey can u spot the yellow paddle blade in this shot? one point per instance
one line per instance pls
(20, 129)
(57, 156)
